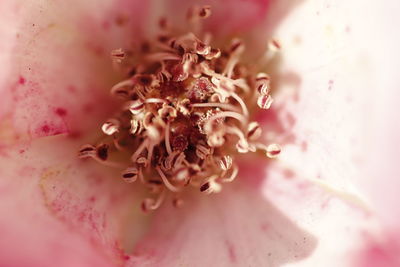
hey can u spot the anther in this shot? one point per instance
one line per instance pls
(211, 186)
(86, 151)
(237, 47)
(136, 126)
(242, 146)
(110, 127)
(181, 176)
(274, 45)
(142, 161)
(202, 151)
(232, 177)
(225, 162)
(215, 139)
(262, 83)
(205, 12)
(253, 131)
(214, 53)
(130, 175)
(135, 106)
(167, 113)
(118, 55)
(264, 101)
(183, 106)
(273, 150)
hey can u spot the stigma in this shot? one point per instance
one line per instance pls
(185, 114)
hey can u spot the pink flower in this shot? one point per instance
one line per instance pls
(330, 199)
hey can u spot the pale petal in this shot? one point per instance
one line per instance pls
(56, 67)
(235, 228)
(337, 175)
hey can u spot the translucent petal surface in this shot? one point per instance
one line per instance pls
(236, 228)
(337, 91)
(54, 208)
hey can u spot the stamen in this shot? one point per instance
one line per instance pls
(186, 112)
(122, 89)
(110, 127)
(118, 55)
(155, 101)
(211, 186)
(150, 204)
(99, 154)
(202, 151)
(163, 56)
(136, 126)
(264, 101)
(215, 105)
(135, 106)
(225, 114)
(242, 104)
(139, 150)
(262, 83)
(166, 182)
(117, 144)
(167, 142)
(273, 150)
(233, 175)
(253, 131)
(130, 175)
(225, 163)
(182, 176)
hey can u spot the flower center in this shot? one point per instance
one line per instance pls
(185, 114)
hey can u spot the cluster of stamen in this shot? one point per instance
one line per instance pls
(184, 115)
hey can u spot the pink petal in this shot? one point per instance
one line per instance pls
(56, 64)
(228, 16)
(337, 97)
(55, 208)
(235, 228)
(233, 17)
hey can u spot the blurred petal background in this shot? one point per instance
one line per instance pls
(330, 199)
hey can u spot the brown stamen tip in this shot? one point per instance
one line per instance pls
(205, 187)
(87, 151)
(130, 175)
(102, 151)
(185, 113)
(205, 12)
(210, 186)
